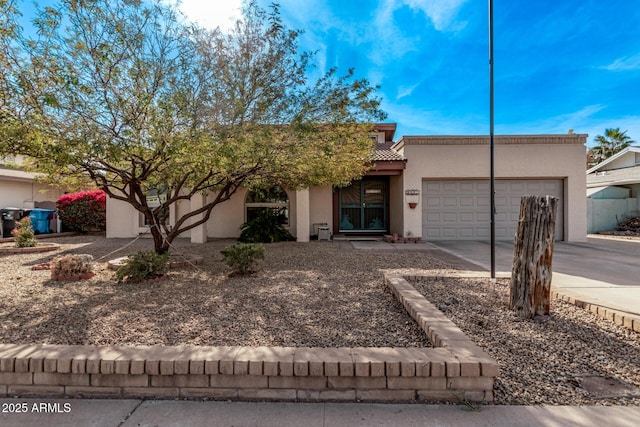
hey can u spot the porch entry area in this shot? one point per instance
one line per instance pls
(363, 206)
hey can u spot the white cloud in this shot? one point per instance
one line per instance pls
(387, 36)
(212, 14)
(442, 13)
(581, 121)
(625, 63)
(406, 90)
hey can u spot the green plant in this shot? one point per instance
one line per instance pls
(243, 256)
(143, 265)
(24, 234)
(265, 228)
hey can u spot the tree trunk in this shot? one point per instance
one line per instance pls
(533, 253)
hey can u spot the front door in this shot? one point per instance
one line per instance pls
(362, 206)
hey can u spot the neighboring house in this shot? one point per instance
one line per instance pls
(613, 190)
(20, 189)
(434, 187)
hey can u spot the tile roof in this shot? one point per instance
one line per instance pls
(384, 152)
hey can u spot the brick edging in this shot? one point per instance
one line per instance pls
(621, 318)
(456, 369)
(41, 247)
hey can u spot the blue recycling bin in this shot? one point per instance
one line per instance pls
(40, 220)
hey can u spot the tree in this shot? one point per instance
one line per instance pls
(530, 291)
(139, 101)
(612, 142)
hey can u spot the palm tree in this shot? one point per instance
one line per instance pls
(611, 143)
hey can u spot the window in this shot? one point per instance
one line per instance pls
(154, 199)
(273, 198)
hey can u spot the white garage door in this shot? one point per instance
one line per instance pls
(459, 210)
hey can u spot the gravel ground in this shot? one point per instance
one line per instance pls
(322, 294)
(545, 361)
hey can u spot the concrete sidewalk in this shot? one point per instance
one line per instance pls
(161, 413)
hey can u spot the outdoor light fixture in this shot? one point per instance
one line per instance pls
(412, 197)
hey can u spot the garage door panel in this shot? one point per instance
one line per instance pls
(466, 233)
(483, 233)
(467, 217)
(501, 202)
(459, 209)
(517, 186)
(483, 217)
(450, 217)
(466, 187)
(433, 201)
(500, 186)
(466, 201)
(433, 217)
(482, 186)
(433, 188)
(450, 233)
(535, 187)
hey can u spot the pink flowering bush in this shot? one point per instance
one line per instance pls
(84, 210)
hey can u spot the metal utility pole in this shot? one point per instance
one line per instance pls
(491, 148)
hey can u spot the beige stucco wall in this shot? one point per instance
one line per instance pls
(21, 194)
(227, 217)
(532, 156)
(321, 206)
(122, 219)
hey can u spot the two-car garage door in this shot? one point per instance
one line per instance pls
(459, 209)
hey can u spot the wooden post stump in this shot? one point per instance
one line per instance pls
(533, 252)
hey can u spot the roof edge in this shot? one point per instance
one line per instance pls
(614, 157)
(498, 139)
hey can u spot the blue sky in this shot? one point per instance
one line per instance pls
(559, 64)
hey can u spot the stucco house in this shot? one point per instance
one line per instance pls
(613, 190)
(434, 187)
(21, 189)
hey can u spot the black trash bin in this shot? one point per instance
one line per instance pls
(10, 216)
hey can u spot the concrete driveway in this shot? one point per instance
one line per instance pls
(602, 271)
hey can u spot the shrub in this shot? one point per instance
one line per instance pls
(142, 266)
(242, 257)
(83, 211)
(24, 234)
(71, 267)
(265, 228)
